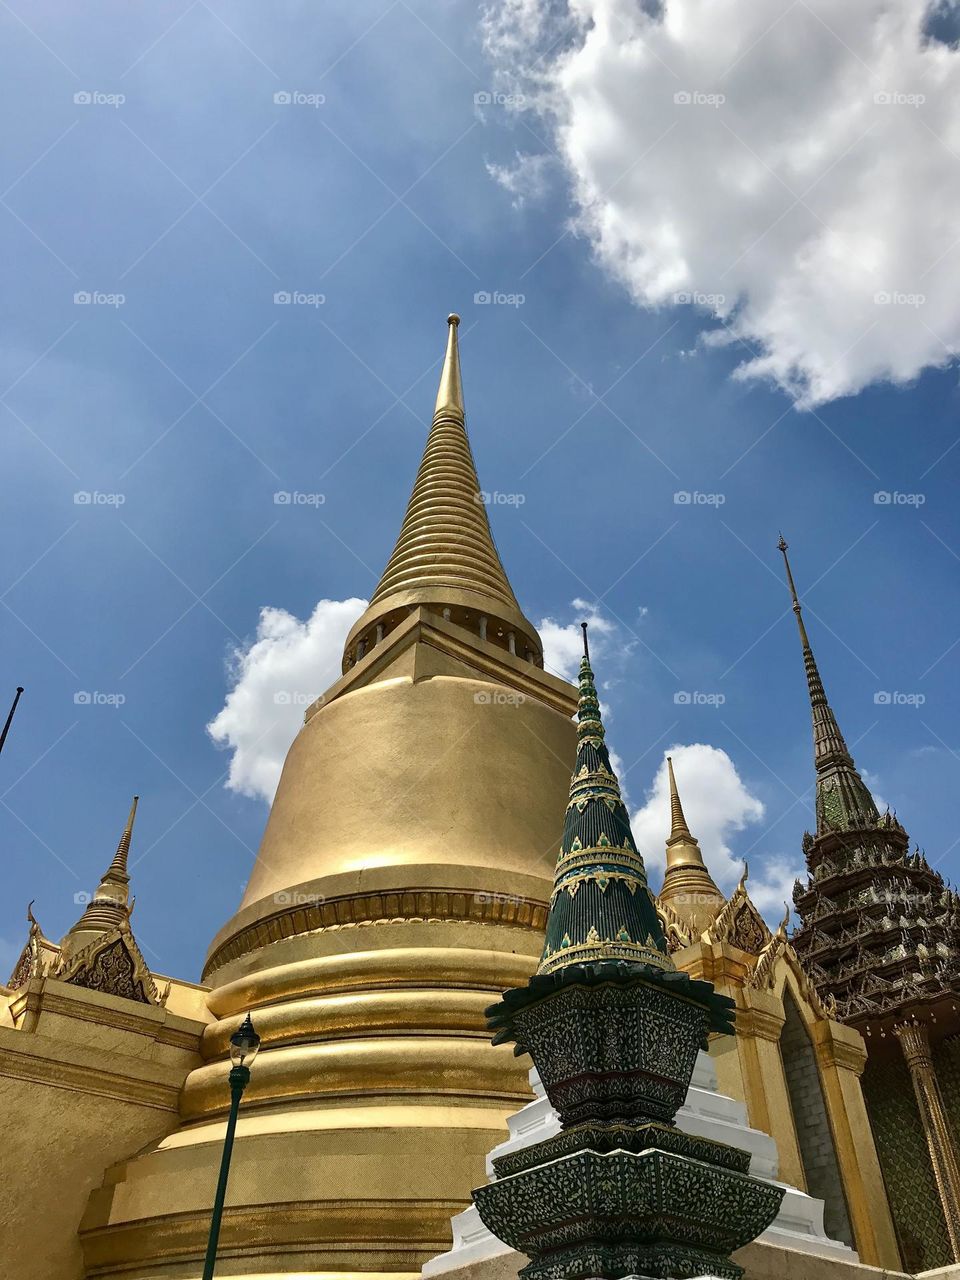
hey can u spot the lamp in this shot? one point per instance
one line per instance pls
(244, 1046)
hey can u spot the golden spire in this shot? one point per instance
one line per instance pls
(110, 905)
(118, 867)
(688, 888)
(445, 558)
(678, 823)
(450, 391)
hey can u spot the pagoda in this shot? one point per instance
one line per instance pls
(614, 1029)
(879, 937)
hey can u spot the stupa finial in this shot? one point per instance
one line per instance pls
(450, 391)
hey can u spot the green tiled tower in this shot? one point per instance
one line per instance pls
(601, 907)
(879, 937)
(614, 1030)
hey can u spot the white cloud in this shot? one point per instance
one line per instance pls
(817, 185)
(286, 666)
(563, 642)
(525, 179)
(873, 782)
(289, 663)
(717, 805)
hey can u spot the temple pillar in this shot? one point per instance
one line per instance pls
(915, 1042)
(841, 1058)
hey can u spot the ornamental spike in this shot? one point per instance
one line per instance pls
(601, 908)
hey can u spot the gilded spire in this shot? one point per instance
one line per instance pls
(450, 391)
(678, 823)
(445, 557)
(601, 908)
(843, 799)
(688, 888)
(118, 867)
(110, 906)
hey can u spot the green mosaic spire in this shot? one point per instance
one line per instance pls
(601, 907)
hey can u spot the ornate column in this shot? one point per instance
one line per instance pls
(915, 1043)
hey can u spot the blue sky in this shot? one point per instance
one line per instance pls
(197, 398)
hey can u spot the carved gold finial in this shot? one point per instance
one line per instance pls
(450, 391)
(782, 928)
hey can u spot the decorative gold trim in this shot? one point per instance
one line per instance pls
(385, 906)
(75, 1078)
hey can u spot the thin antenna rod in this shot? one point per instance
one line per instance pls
(6, 727)
(586, 642)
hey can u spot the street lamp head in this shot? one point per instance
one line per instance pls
(244, 1044)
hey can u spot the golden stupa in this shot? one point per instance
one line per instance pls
(402, 882)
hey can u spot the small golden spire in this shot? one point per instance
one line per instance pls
(118, 866)
(110, 906)
(450, 391)
(678, 823)
(688, 888)
(782, 547)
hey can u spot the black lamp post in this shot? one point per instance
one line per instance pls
(244, 1044)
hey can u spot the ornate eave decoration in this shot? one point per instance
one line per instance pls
(740, 923)
(675, 931)
(114, 965)
(32, 962)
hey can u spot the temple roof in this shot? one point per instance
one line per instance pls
(99, 952)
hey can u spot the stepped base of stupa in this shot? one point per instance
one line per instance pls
(795, 1247)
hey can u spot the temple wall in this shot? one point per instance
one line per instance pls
(905, 1161)
(97, 1079)
(814, 1134)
